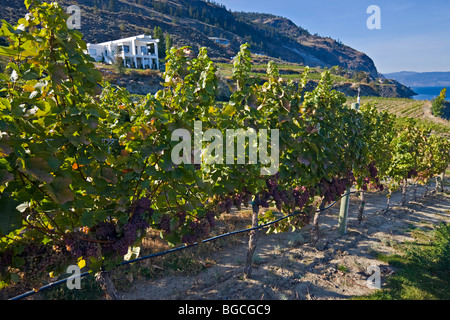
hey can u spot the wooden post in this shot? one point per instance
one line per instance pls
(388, 200)
(103, 278)
(252, 239)
(361, 206)
(345, 201)
(404, 186)
(343, 213)
(315, 233)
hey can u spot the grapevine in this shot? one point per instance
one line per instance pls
(68, 196)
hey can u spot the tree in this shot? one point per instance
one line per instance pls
(158, 34)
(168, 42)
(437, 105)
(112, 5)
(118, 64)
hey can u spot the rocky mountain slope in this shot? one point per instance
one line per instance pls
(193, 22)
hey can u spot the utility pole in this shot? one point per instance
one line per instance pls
(345, 201)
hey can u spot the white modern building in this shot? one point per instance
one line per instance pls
(139, 52)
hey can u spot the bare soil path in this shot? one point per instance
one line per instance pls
(287, 266)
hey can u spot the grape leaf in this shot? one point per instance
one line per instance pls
(10, 217)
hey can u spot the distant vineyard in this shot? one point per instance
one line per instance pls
(399, 106)
(408, 108)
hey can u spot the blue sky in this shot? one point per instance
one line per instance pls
(414, 34)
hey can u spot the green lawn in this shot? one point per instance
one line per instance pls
(423, 268)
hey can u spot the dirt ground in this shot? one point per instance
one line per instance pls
(287, 266)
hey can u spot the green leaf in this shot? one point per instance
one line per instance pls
(8, 52)
(229, 110)
(108, 175)
(38, 168)
(60, 191)
(10, 217)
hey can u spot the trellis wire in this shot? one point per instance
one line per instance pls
(186, 246)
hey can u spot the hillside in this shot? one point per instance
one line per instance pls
(192, 22)
(421, 79)
(142, 82)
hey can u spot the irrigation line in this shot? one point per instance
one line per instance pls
(50, 285)
(53, 284)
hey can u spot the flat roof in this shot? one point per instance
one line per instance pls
(142, 37)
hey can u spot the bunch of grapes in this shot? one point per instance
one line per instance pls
(237, 200)
(332, 190)
(246, 198)
(119, 243)
(412, 173)
(273, 193)
(199, 230)
(129, 234)
(143, 208)
(105, 231)
(164, 224)
(38, 259)
(264, 198)
(301, 196)
(225, 204)
(78, 246)
(301, 219)
(211, 218)
(181, 217)
(372, 181)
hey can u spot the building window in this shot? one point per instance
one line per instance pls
(126, 49)
(144, 49)
(93, 52)
(151, 48)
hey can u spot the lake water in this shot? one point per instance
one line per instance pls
(428, 93)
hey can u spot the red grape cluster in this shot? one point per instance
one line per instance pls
(137, 223)
(372, 181)
(237, 199)
(118, 242)
(79, 247)
(273, 193)
(301, 219)
(412, 173)
(105, 231)
(199, 230)
(301, 196)
(40, 259)
(211, 218)
(181, 217)
(332, 190)
(164, 224)
(142, 208)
